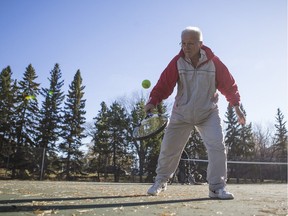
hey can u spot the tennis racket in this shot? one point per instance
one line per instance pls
(150, 126)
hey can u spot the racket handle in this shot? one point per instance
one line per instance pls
(159, 109)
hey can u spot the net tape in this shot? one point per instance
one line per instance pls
(241, 162)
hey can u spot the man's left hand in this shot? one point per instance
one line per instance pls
(240, 115)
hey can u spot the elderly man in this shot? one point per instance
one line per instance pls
(198, 74)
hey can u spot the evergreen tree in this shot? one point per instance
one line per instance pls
(26, 123)
(101, 139)
(233, 141)
(8, 93)
(280, 137)
(280, 145)
(232, 137)
(195, 148)
(73, 129)
(246, 148)
(51, 120)
(118, 124)
(240, 142)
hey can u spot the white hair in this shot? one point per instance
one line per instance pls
(194, 30)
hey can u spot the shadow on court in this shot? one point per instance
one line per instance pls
(14, 208)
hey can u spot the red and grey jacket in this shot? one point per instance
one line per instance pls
(195, 86)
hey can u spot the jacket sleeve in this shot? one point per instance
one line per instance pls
(225, 83)
(166, 83)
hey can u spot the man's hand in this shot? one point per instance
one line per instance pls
(240, 115)
(215, 98)
(148, 107)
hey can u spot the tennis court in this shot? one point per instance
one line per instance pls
(96, 198)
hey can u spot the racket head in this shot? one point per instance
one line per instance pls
(150, 126)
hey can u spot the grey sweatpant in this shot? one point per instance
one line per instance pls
(175, 138)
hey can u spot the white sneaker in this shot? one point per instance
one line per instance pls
(220, 194)
(157, 187)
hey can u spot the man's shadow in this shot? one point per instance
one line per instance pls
(10, 205)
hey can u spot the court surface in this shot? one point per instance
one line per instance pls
(96, 198)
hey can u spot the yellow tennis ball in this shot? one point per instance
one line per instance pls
(146, 84)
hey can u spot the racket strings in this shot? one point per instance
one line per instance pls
(150, 126)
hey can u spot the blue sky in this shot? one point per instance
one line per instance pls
(117, 44)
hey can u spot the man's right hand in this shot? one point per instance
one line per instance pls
(148, 107)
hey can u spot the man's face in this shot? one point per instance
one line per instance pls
(190, 44)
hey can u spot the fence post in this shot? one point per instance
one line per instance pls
(42, 166)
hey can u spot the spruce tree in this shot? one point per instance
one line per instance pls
(101, 139)
(26, 123)
(8, 93)
(73, 129)
(240, 142)
(247, 145)
(195, 148)
(280, 146)
(280, 137)
(118, 124)
(232, 140)
(51, 119)
(232, 137)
